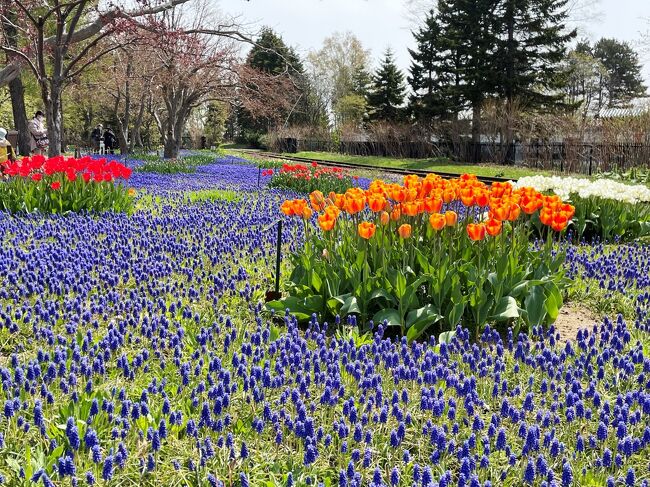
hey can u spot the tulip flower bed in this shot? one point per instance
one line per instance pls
(307, 178)
(390, 254)
(134, 350)
(605, 209)
(63, 185)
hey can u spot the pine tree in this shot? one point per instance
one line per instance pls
(468, 36)
(431, 74)
(270, 54)
(386, 96)
(533, 42)
(624, 81)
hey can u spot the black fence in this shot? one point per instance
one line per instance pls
(573, 157)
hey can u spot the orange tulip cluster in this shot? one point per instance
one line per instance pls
(425, 196)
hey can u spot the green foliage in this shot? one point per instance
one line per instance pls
(609, 220)
(350, 109)
(272, 55)
(214, 195)
(20, 194)
(600, 301)
(215, 123)
(637, 175)
(188, 164)
(442, 164)
(339, 70)
(386, 96)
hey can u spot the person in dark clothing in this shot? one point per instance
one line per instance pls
(110, 141)
(96, 137)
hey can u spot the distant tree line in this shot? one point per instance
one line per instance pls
(519, 55)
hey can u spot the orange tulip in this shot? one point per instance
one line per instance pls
(398, 193)
(448, 195)
(559, 221)
(411, 180)
(317, 200)
(366, 230)
(546, 216)
(333, 211)
(354, 205)
(395, 214)
(467, 196)
(437, 221)
(570, 210)
(384, 218)
(376, 202)
(476, 231)
(493, 227)
(410, 208)
(500, 213)
(404, 230)
(515, 211)
(326, 221)
(307, 212)
(299, 206)
(481, 199)
(338, 200)
(287, 208)
(433, 205)
(451, 218)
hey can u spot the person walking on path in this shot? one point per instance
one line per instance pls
(38, 134)
(110, 141)
(96, 137)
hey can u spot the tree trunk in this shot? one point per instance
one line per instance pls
(17, 92)
(54, 119)
(136, 131)
(476, 132)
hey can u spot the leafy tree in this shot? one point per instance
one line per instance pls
(339, 69)
(469, 51)
(215, 122)
(584, 80)
(350, 109)
(624, 80)
(386, 97)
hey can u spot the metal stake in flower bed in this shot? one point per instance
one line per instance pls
(273, 295)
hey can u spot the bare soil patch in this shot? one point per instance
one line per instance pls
(572, 318)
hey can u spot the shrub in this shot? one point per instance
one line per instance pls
(62, 185)
(392, 254)
(307, 178)
(605, 209)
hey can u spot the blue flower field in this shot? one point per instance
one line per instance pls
(136, 350)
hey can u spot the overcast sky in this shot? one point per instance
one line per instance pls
(382, 23)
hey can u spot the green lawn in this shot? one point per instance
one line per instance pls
(441, 164)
